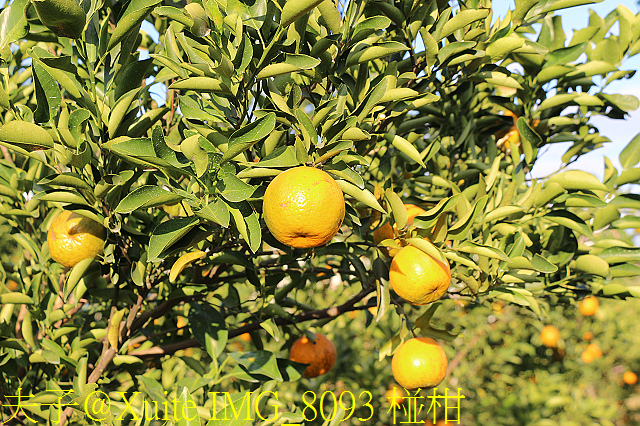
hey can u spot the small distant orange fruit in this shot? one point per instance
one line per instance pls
(12, 285)
(587, 336)
(395, 395)
(321, 355)
(386, 232)
(303, 207)
(417, 277)
(589, 306)
(419, 363)
(73, 237)
(595, 350)
(630, 378)
(587, 357)
(245, 337)
(550, 336)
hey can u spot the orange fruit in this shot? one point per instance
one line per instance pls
(588, 306)
(441, 422)
(321, 355)
(594, 350)
(587, 336)
(386, 232)
(395, 395)
(630, 378)
(587, 357)
(245, 337)
(417, 277)
(12, 285)
(303, 207)
(550, 336)
(419, 363)
(73, 237)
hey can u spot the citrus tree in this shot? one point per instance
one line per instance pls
(139, 240)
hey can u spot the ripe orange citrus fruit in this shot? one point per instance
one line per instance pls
(594, 350)
(395, 395)
(321, 355)
(245, 337)
(419, 363)
(73, 237)
(587, 336)
(630, 378)
(303, 207)
(550, 336)
(589, 306)
(417, 277)
(587, 357)
(386, 232)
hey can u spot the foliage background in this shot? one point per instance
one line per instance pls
(402, 102)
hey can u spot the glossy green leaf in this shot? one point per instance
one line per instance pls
(167, 233)
(146, 196)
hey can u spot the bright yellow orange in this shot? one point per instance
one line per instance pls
(441, 422)
(395, 395)
(303, 207)
(589, 306)
(550, 336)
(12, 285)
(587, 357)
(594, 350)
(386, 232)
(630, 378)
(73, 237)
(419, 363)
(417, 277)
(321, 355)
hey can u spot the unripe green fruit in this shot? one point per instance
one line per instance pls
(65, 18)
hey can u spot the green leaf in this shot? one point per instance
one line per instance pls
(462, 19)
(48, 95)
(371, 53)
(427, 247)
(577, 180)
(13, 22)
(242, 139)
(630, 155)
(292, 63)
(482, 250)
(461, 227)
(569, 220)
(363, 195)
(167, 233)
(233, 189)
(247, 223)
(294, 9)
(217, 212)
(68, 179)
(259, 362)
(405, 147)
(284, 156)
(208, 327)
(429, 218)
(503, 46)
(146, 196)
(398, 209)
(132, 17)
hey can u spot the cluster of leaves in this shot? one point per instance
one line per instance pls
(399, 101)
